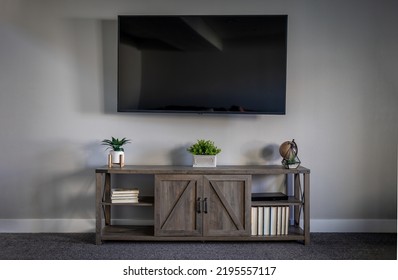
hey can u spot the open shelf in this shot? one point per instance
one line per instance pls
(290, 201)
(294, 233)
(127, 232)
(142, 201)
(146, 233)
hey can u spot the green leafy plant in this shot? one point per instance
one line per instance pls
(204, 147)
(115, 143)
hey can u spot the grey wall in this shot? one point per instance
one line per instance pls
(58, 101)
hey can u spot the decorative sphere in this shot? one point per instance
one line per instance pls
(288, 150)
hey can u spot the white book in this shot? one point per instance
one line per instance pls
(287, 222)
(254, 220)
(124, 195)
(266, 220)
(279, 222)
(260, 219)
(122, 191)
(124, 200)
(273, 220)
(283, 220)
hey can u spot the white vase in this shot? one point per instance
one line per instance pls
(116, 156)
(204, 161)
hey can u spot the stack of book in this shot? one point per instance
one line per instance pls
(124, 195)
(270, 220)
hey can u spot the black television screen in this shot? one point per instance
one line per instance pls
(202, 64)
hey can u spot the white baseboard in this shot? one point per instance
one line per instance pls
(353, 225)
(88, 225)
(47, 225)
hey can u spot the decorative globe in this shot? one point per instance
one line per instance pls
(289, 150)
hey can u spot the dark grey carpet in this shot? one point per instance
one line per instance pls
(80, 246)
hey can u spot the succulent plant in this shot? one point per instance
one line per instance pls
(115, 143)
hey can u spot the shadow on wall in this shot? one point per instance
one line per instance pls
(255, 153)
(268, 155)
(109, 71)
(180, 156)
(94, 47)
(270, 183)
(271, 153)
(64, 182)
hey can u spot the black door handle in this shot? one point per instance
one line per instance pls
(205, 205)
(198, 206)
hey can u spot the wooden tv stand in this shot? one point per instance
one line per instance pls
(202, 204)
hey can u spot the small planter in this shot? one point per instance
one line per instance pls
(116, 156)
(204, 153)
(204, 161)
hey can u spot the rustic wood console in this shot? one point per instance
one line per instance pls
(202, 204)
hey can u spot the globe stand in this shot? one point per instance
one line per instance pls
(291, 164)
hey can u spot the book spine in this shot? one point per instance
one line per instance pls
(283, 220)
(260, 219)
(125, 201)
(273, 220)
(270, 220)
(254, 221)
(266, 221)
(279, 221)
(287, 223)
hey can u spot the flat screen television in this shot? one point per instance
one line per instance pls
(229, 64)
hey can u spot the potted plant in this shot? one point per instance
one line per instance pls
(204, 153)
(117, 147)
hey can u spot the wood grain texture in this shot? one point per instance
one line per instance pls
(229, 199)
(175, 205)
(189, 170)
(182, 193)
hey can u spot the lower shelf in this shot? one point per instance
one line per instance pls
(127, 233)
(146, 233)
(295, 233)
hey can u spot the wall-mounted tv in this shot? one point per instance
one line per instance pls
(229, 64)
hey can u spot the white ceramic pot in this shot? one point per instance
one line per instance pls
(204, 161)
(116, 156)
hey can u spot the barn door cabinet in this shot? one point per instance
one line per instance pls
(202, 205)
(199, 204)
